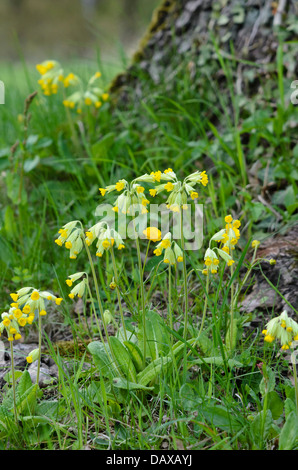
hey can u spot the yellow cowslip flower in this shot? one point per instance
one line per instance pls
(166, 243)
(22, 321)
(152, 233)
(26, 309)
(152, 192)
(156, 175)
(102, 191)
(14, 297)
(98, 104)
(17, 313)
(35, 295)
(42, 313)
(33, 356)
(255, 243)
(169, 186)
(69, 282)
(79, 288)
(229, 236)
(194, 195)
(211, 261)
(106, 244)
(30, 319)
(269, 338)
(120, 185)
(58, 300)
(88, 101)
(105, 96)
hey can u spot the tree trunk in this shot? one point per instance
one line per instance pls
(196, 31)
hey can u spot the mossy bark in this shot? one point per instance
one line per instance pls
(186, 31)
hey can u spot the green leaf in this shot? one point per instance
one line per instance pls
(7, 422)
(102, 360)
(218, 361)
(123, 359)
(261, 426)
(189, 397)
(267, 383)
(27, 401)
(124, 384)
(13, 184)
(157, 340)
(31, 163)
(24, 384)
(289, 434)
(10, 225)
(153, 370)
(221, 417)
(8, 377)
(136, 355)
(289, 406)
(231, 342)
(275, 404)
(161, 364)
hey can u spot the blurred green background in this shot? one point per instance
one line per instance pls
(39, 29)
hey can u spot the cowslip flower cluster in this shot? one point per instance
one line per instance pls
(106, 238)
(179, 190)
(12, 321)
(172, 252)
(80, 288)
(71, 235)
(229, 237)
(132, 197)
(51, 76)
(92, 95)
(31, 300)
(282, 328)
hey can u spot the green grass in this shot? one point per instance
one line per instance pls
(224, 396)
